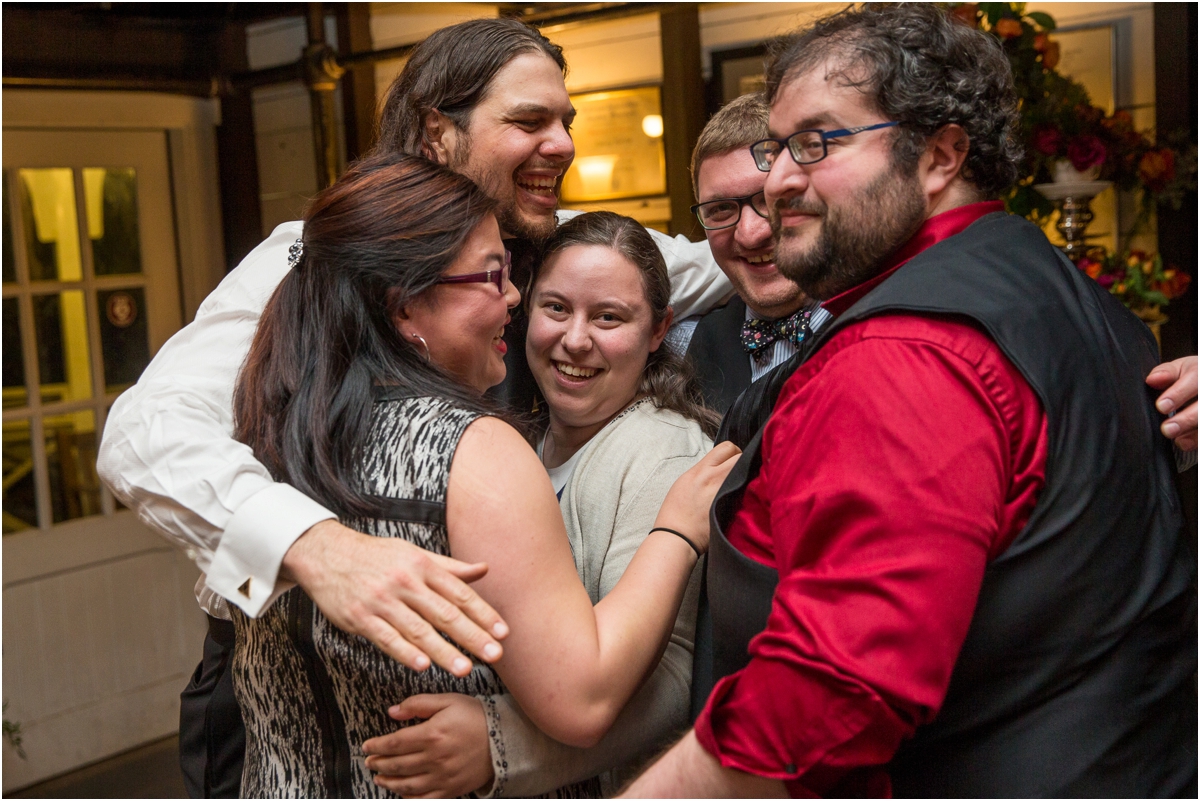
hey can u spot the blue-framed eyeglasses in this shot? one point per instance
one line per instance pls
(807, 147)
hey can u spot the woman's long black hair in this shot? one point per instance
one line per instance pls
(384, 233)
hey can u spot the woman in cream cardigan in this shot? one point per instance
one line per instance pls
(624, 423)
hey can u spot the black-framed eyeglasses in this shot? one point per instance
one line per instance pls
(806, 147)
(497, 277)
(725, 212)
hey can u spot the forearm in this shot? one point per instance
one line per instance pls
(538, 764)
(631, 627)
(168, 450)
(688, 771)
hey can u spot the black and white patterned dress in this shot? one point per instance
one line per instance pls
(311, 694)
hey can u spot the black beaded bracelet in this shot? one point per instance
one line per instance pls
(681, 536)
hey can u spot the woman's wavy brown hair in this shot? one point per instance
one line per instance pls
(668, 380)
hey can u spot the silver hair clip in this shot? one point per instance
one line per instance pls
(295, 253)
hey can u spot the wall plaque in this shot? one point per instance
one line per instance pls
(618, 146)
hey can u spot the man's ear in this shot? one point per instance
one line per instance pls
(943, 160)
(440, 136)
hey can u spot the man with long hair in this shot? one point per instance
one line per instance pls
(487, 98)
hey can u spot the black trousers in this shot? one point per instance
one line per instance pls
(212, 738)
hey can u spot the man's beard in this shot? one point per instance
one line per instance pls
(855, 237)
(503, 190)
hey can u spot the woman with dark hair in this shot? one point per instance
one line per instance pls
(623, 422)
(363, 388)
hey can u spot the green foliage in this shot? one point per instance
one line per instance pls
(12, 733)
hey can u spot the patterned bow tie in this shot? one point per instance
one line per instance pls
(758, 335)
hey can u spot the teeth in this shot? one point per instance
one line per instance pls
(538, 183)
(575, 372)
(769, 257)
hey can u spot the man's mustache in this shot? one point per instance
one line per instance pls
(795, 204)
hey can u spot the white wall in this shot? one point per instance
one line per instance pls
(95, 656)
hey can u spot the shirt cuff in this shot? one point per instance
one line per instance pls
(245, 568)
(776, 722)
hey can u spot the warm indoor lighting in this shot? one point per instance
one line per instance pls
(596, 173)
(652, 125)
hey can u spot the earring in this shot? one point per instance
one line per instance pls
(424, 344)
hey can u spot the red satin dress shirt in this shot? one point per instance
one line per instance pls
(898, 461)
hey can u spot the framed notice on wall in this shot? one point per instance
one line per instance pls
(618, 146)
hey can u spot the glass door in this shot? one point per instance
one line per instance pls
(90, 292)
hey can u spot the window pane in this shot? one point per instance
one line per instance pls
(71, 459)
(10, 261)
(51, 227)
(20, 500)
(111, 196)
(123, 336)
(14, 357)
(62, 345)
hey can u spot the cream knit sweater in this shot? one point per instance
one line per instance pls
(609, 506)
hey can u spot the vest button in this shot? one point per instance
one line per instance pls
(789, 767)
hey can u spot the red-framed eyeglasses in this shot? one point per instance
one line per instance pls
(497, 277)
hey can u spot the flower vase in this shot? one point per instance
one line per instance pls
(1073, 200)
(1154, 319)
(1064, 172)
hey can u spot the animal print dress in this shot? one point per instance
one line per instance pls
(311, 694)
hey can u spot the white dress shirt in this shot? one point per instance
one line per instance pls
(168, 450)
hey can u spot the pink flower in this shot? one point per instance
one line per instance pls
(1086, 151)
(1106, 281)
(1047, 140)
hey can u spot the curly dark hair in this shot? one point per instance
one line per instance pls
(922, 69)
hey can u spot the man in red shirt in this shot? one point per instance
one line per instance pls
(956, 538)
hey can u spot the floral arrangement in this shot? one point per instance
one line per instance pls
(1138, 279)
(1062, 131)
(1060, 125)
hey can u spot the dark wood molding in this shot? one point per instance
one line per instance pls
(1175, 110)
(358, 84)
(237, 155)
(683, 109)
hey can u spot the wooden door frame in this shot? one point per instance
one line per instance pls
(190, 123)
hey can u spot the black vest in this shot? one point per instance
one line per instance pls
(1077, 676)
(716, 353)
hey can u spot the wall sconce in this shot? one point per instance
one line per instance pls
(652, 125)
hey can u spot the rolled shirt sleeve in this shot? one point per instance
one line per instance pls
(168, 450)
(896, 464)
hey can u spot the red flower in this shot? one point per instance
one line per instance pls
(1047, 140)
(966, 13)
(1086, 151)
(1052, 55)
(1008, 28)
(1176, 284)
(1120, 122)
(1091, 267)
(1157, 169)
(1106, 281)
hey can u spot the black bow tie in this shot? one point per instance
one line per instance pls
(758, 335)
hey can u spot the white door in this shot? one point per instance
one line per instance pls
(100, 627)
